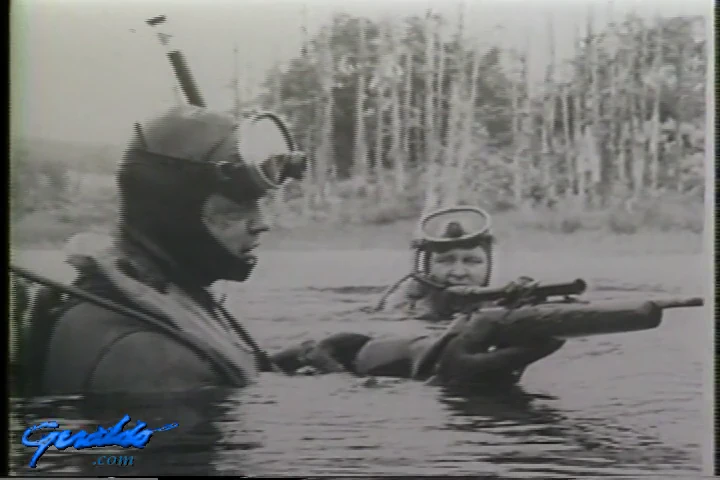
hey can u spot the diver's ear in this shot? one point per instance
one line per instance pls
(416, 290)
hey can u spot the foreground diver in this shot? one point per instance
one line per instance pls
(189, 216)
(454, 248)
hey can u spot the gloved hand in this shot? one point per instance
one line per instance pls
(459, 321)
(425, 364)
(519, 292)
(319, 359)
(307, 370)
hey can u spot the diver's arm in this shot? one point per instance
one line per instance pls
(289, 359)
(308, 354)
(322, 360)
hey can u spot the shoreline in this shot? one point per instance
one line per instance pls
(397, 236)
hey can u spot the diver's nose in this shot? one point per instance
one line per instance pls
(258, 224)
(458, 271)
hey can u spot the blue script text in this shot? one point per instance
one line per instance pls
(137, 437)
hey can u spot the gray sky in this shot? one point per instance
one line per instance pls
(79, 72)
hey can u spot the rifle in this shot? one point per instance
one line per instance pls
(532, 316)
(530, 310)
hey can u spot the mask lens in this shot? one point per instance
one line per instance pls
(265, 145)
(451, 225)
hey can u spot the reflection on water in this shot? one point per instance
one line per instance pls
(532, 436)
(616, 405)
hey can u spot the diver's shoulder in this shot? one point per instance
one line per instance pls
(147, 361)
(120, 353)
(85, 313)
(90, 317)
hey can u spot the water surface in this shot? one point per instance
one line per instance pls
(627, 404)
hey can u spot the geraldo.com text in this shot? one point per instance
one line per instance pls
(120, 460)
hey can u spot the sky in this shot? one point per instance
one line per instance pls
(86, 70)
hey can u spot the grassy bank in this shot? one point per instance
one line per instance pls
(513, 234)
(347, 218)
(654, 227)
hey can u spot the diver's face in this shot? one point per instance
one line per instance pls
(237, 226)
(460, 266)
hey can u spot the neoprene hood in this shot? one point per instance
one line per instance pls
(170, 168)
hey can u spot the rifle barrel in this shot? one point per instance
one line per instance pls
(679, 302)
(575, 287)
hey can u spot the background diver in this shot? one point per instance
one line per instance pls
(454, 247)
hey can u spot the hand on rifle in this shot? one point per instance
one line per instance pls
(426, 364)
(520, 292)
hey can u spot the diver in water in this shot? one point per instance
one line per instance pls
(454, 248)
(189, 216)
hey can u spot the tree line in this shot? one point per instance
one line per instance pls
(400, 116)
(391, 109)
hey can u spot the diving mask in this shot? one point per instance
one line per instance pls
(453, 227)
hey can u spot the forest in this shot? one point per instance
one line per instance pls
(403, 116)
(408, 119)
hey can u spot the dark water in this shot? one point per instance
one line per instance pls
(627, 405)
